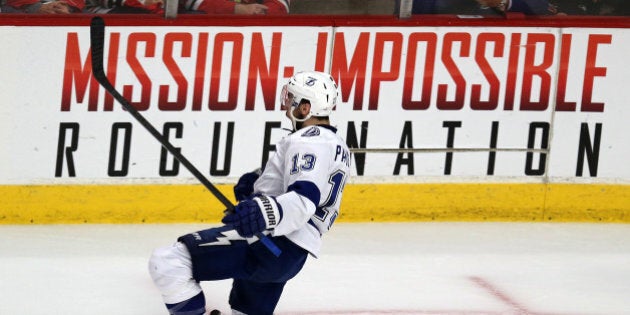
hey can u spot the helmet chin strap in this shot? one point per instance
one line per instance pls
(297, 122)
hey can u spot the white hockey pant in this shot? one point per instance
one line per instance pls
(171, 270)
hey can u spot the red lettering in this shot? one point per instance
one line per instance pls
(112, 66)
(494, 84)
(182, 84)
(378, 75)
(349, 65)
(320, 54)
(427, 76)
(563, 74)
(541, 70)
(132, 59)
(591, 71)
(346, 75)
(235, 69)
(80, 75)
(200, 71)
(268, 74)
(512, 71)
(453, 70)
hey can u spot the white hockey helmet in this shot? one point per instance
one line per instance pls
(318, 88)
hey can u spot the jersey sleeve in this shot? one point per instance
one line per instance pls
(306, 167)
(302, 164)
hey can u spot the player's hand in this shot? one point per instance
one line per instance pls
(245, 185)
(255, 215)
(55, 7)
(250, 9)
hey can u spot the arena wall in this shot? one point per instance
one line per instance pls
(450, 119)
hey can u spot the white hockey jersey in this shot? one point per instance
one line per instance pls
(307, 176)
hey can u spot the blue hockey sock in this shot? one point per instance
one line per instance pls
(193, 306)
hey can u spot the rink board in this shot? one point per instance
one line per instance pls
(449, 120)
(361, 203)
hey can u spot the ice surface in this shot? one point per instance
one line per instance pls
(370, 268)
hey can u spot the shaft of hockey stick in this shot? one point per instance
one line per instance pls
(97, 40)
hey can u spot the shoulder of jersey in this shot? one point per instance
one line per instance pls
(312, 131)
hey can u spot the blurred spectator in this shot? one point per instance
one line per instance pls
(43, 7)
(528, 7)
(249, 7)
(124, 6)
(592, 7)
(480, 7)
(244, 7)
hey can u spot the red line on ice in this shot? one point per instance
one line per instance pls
(500, 295)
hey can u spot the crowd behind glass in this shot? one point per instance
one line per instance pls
(281, 7)
(527, 7)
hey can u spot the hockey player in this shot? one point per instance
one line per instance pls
(294, 201)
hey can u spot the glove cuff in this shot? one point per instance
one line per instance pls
(271, 210)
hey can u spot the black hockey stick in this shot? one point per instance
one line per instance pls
(97, 40)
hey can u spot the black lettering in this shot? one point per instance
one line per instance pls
(66, 151)
(353, 143)
(492, 155)
(124, 169)
(271, 216)
(227, 161)
(529, 168)
(591, 150)
(267, 146)
(406, 141)
(178, 127)
(450, 141)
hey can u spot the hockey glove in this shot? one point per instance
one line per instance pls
(254, 215)
(245, 186)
